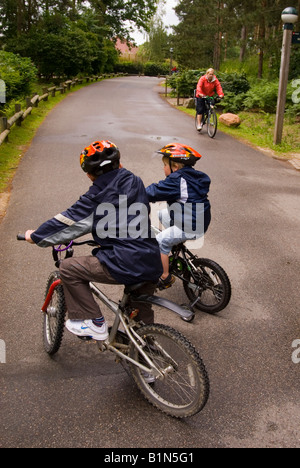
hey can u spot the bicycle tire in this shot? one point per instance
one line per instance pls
(184, 389)
(212, 123)
(214, 291)
(54, 318)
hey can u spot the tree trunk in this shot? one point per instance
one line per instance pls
(243, 42)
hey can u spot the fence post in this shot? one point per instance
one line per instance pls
(3, 126)
(18, 109)
(45, 91)
(36, 102)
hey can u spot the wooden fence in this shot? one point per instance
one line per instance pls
(20, 115)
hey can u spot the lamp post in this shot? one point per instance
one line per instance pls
(171, 59)
(289, 18)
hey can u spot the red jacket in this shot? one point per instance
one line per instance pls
(208, 88)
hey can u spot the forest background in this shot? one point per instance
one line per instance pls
(52, 40)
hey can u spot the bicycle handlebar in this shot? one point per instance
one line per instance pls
(91, 242)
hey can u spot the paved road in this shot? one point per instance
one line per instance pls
(83, 399)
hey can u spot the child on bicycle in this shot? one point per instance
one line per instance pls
(186, 192)
(208, 85)
(120, 258)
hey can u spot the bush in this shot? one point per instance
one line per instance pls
(233, 102)
(155, 69)
(186, 82)
(236, 83)
(262, 96)
(132, 68)
(18, 73)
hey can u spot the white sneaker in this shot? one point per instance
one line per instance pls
(199, 127)
(87, 328)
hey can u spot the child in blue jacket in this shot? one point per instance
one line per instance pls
(125, 255)
(186, 192)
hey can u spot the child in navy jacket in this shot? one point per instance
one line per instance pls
(185, 190)
(124, 255)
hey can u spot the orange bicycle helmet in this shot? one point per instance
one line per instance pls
(100, 156)
(179, 153)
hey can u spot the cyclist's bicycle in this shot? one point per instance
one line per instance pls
(205, 282)
(165, 366)
(210, 116)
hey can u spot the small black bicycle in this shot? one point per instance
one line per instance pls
(205, 282)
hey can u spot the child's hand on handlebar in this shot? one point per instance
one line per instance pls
(28, 237)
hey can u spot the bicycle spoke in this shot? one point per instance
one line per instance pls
(182, 388)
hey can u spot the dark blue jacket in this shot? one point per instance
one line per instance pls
(185, 188)
(116, 211)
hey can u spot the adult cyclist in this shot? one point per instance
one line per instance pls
(208, 85)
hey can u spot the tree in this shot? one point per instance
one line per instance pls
(157, 46)
(67, 36)
(206, 31)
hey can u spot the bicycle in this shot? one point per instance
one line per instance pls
(205, 282)
(210, 116)
(165, 366)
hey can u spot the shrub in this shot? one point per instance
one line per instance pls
(236, 83)
(18, 73)
(155, 69)
(132, 68)
(186, 82)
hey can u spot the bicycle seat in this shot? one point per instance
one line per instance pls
(133, 287)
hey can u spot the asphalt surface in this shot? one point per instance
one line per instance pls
(81, 398)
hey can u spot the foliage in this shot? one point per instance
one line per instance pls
(261, 97)
(186, 82)
(236, 83)
(209, 33)
(155, 69)
(133, 68)
(18, 74)
(157, 47)
(65, 48)
(66, 38)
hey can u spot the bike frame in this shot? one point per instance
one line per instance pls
(111, 344)
(188, 258)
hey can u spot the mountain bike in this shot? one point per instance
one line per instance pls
(205, 282)
(164, 364)
(210, 116)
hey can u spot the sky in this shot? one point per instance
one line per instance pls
(169, 19)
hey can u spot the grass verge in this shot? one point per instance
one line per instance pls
(257, 129)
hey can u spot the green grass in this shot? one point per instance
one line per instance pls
(20, 138)
(257, 129)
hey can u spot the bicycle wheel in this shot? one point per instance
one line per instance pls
(184, 388)
(210, 286)
(54, 318)
(212, 123)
